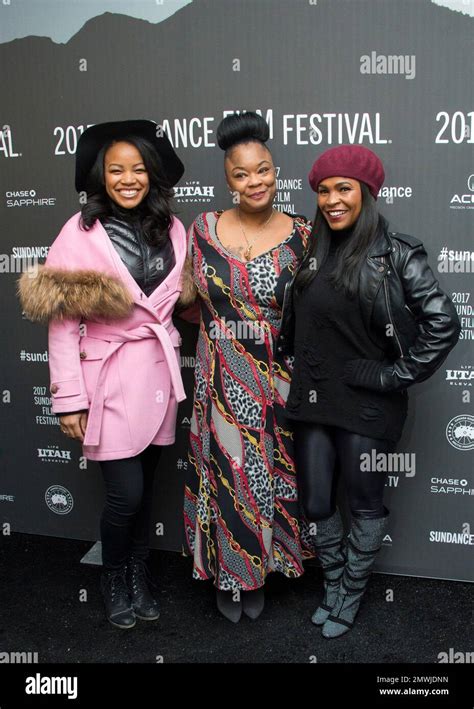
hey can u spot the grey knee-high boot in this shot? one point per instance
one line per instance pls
(364, 542)
(328, 547)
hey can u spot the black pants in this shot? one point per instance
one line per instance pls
(322, 454)
(124, 526)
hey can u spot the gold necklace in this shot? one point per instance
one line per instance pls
(248, 250)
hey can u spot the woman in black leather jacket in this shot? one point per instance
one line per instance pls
(365, 318)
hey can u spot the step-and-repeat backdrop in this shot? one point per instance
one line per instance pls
(395, 76)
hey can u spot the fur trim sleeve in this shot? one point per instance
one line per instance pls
(189, 290)
(55, 294)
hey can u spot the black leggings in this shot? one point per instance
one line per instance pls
(322, 454)
(124, 526)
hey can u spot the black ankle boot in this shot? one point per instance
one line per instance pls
(229, 605)
(142, 590)
(253, 603)
(118, 607)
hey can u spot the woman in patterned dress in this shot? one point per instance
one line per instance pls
(242, 516)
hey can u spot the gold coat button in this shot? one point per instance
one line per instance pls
(83, 355)
(53, 388)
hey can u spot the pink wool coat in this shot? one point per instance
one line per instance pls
(121, 361)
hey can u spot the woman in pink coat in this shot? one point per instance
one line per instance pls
(108, 289)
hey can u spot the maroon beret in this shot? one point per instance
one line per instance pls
(354, 161)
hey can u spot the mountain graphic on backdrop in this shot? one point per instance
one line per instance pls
(35, 19)
(60, 20)
(466, 8)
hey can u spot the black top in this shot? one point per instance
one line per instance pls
(330, 332)
(148, 265)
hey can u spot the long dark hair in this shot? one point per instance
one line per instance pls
(154, 213)
(352, 254)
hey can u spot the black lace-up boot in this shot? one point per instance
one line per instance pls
(118, 607)
(142, 590)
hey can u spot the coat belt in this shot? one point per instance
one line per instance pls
(116, 338)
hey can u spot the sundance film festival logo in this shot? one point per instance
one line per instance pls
(465, 311)
(34, 356)
(443, 537)
(466, 200)
(374, 63)
(284, 196)
(59, 499)
(333, 128)
(30, 252)
(460, 432)
(42, 399)
(194, 192)
(391, 193)
(52, 454)
(188, 361)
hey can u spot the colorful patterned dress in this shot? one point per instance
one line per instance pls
(241, 515)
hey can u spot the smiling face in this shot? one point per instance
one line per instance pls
(250, 171)
(340, 201)
(125, 174)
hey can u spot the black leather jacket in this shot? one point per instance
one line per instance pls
(405, 313)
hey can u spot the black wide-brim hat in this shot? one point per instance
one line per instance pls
(95, 137)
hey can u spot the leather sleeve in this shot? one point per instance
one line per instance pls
(436, 318)
(438, 331)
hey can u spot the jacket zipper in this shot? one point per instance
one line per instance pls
(144, 260)
(285, 298)
(387, 301)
